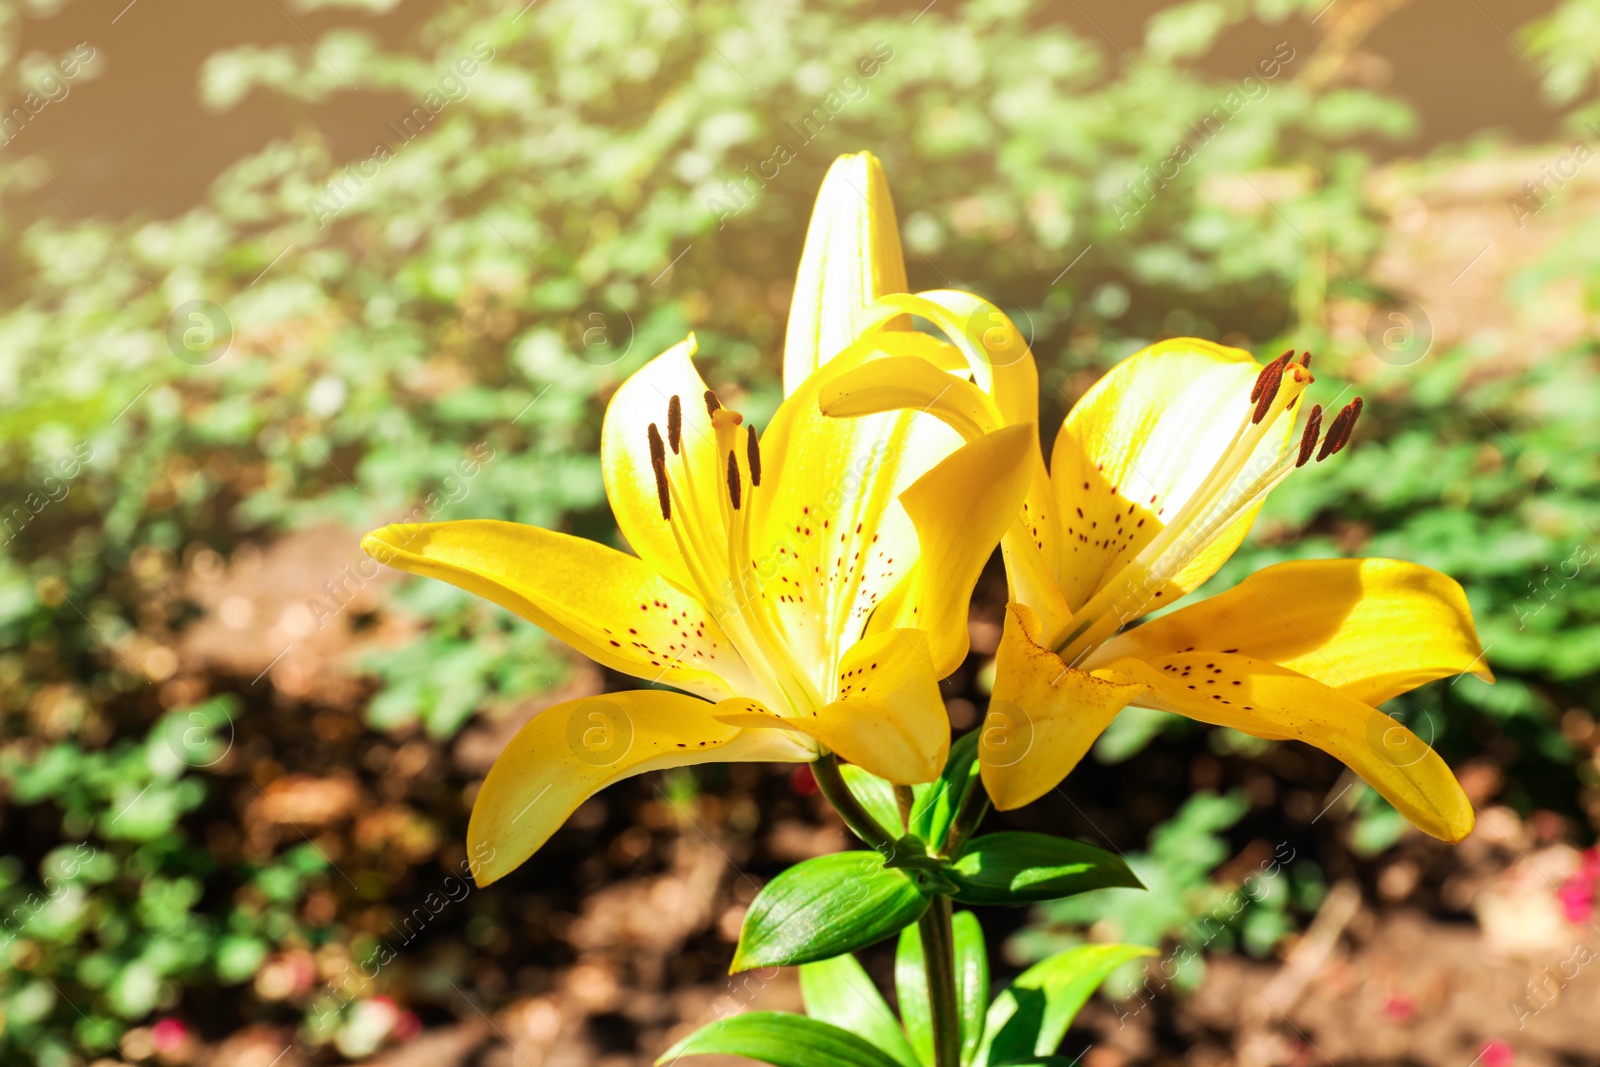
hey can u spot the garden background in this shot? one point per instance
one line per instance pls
(280, 271)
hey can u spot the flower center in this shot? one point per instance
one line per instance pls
(1236, 483)
(706, 503)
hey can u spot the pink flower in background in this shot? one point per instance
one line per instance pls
(407, 1026)
(169, 1035)
(1577, 894)
(1496, 1053)
(1400, 1006)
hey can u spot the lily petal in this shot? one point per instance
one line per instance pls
(852, 256)
(625, 456)
(997, 355)
(1043, 715)
(1137, 446)
(827, 540)
(606, 604)
(911, 383)
(1370, 628)
(960, 510)
(1266, 700)
(916, 383)
(569, 752)
(889, 718)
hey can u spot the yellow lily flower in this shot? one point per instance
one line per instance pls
(761, 562)
(1154, 480)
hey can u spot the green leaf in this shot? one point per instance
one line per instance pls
(972, 981)
(938, 801)
(1031, 1017)
(838, 992)
(1015, 867)
(876, 795)
(911, 988)
(826, 907)
(780, 1039)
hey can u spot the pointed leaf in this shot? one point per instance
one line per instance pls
(780, 1039)
(1031, 1017)
(911, 988)
(826, 907)
(1015, 867)
(838, 992)
(972, 981)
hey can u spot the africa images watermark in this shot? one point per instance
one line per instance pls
(453, 87)
(1543, 593)
(741, 193)
(1142, 192)
(51, 87)
(341, 591)
(53, 487)
(14, 922)
(1545, 988)
(350, 984)
(1159, 974)
(1537, 193)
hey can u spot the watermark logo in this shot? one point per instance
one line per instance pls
(199, 737)
(1006, 336)
(199, 332)
(1395, 743)
(1399, 334)
(599, 731)
(1006, 735)
(599, 332)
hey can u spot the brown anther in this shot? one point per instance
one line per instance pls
(1339, 432)
(733, 479)
(752, 452)
(675, 424)
(1266, 390)
(1308, 439)
(1305, 360)
(1273, 369)
(658, 462)
(712, 403)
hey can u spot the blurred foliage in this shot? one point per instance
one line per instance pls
(117, 915)
(1184, 907)
(431, 330)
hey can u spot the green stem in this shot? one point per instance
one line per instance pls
(974, 806)
(831, 783)
(939, 959)
(906, 800)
